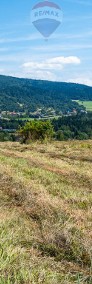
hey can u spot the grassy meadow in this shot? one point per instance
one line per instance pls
(46, 213)
(86, 104)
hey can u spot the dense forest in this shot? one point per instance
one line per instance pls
(28, 95)
(73, 127)
(11, 124)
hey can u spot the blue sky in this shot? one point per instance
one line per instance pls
(66, 56)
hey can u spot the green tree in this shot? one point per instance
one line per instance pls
(36, 130)
(60, 135)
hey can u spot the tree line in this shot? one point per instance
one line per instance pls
(64, 128)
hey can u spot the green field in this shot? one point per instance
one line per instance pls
(86, 104)
(45, 213)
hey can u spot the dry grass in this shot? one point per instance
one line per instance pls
(46, 213)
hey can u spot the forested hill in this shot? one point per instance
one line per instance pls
(27, 94)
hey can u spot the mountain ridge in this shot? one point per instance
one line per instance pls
(21, 94)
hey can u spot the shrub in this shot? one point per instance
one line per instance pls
(36, 130)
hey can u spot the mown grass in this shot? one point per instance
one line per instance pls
(46, 213)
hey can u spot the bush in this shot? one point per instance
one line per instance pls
(4, 136)
(36, 130)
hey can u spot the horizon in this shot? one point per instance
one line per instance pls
(46, 80)
(65, 57)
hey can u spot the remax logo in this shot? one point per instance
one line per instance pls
(46, 17)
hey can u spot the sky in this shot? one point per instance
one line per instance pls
(66, 55)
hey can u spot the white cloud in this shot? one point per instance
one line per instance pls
(47, 69)
(65, 60)
(2, 71)
(46, 75)
(39, 74)
(81, 80)
(56, 63)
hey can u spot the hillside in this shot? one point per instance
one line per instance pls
(45, 213)
(27, 95)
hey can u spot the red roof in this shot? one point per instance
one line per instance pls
(46, 3)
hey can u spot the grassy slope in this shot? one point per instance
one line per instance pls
(86, 104)
(45, 213)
